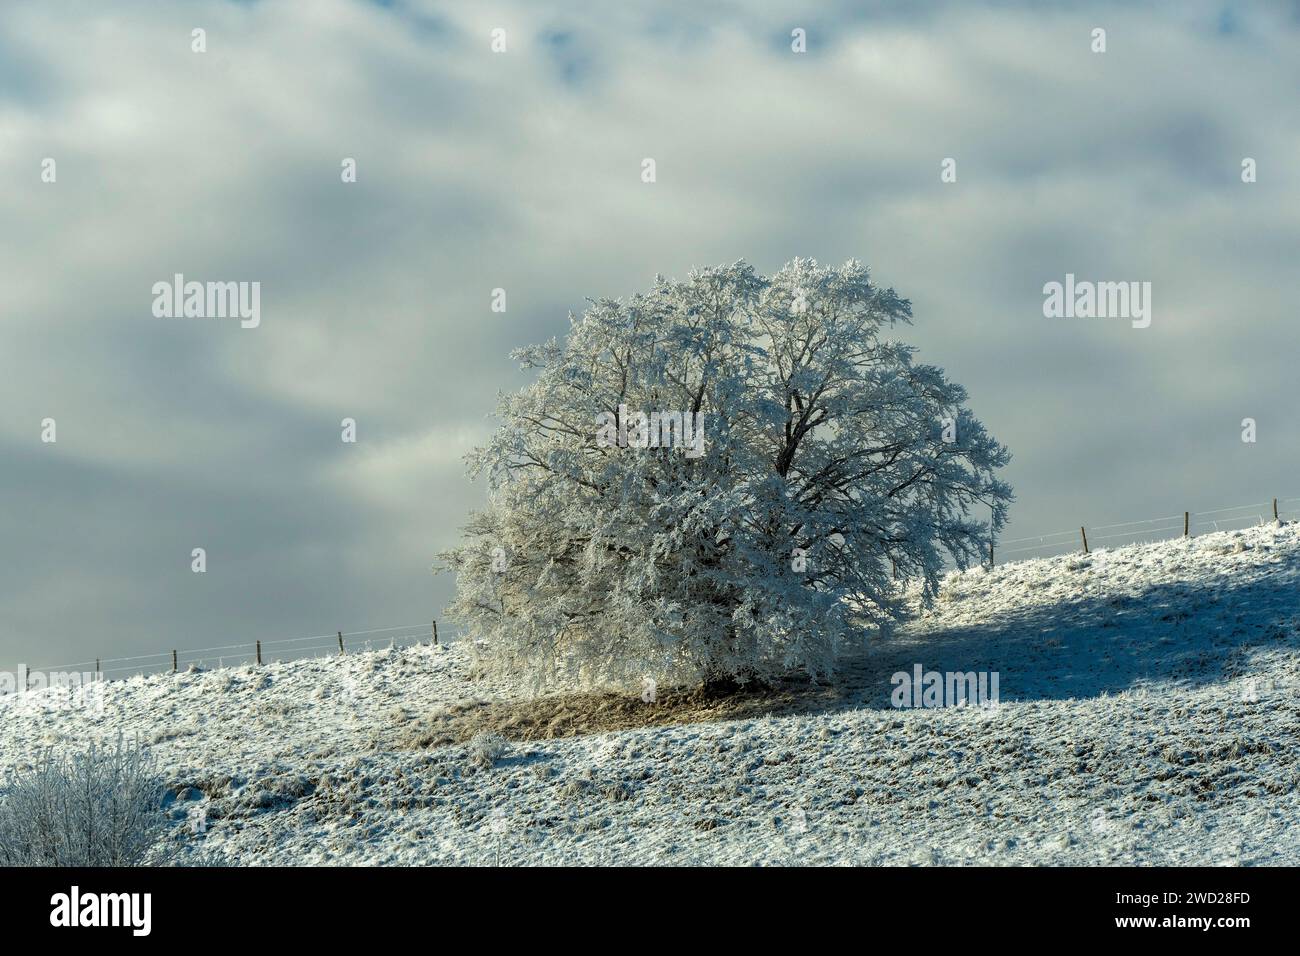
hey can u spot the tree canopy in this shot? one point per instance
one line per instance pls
(728, 476)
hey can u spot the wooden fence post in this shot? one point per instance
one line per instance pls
(340, 642)
(259, 652)
(990, 553)
(173, 662)
(435, 631)
(1274, 509)
(27, 677)
(1187, 524)
(1084, 532)
(98, 669)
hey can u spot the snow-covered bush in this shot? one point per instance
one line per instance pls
(99, 807)
(486, 748)
(831, 469)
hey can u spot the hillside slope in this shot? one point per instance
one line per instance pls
(1148, 715)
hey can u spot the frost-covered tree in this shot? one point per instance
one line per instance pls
(620, 543)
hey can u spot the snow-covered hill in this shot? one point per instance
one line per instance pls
(1148, 714)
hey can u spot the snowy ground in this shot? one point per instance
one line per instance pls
(1148, 715)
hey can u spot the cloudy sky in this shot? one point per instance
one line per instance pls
(522, 170)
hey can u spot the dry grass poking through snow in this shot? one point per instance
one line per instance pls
(576, 714)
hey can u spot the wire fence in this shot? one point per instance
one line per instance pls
(250, 652)
(1147, 530)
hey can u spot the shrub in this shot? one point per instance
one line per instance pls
(486, 748)
(100, 807)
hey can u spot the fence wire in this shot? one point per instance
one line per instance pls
(1148, 530)
(228, 655)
